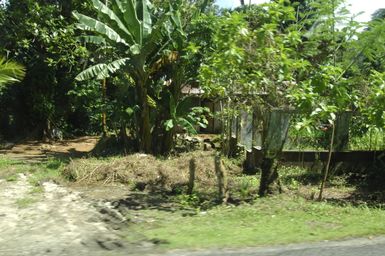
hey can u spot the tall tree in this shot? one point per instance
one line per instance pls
(251, 67)
(379, 14)
(36, 34)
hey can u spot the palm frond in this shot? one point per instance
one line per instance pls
(10, 72)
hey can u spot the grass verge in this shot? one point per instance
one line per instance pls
(48, 171)
(269, 221)
(37, 172)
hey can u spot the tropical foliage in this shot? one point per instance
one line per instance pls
(10, 72)
(41, 37)
(138, 34)
(120, 67)
(144, 42)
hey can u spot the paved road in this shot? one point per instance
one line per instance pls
(354, 247)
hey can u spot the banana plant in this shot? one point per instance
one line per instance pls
(186, 116)
(10, 72)
(138, 33)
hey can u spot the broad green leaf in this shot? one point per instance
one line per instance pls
(202, 125)
(161, 29)
(169, 124)
(99, 71)
(186, 125)
(117, 64)
(184, 106)
(91, 24)
(145, 17)
(102, 70)
(114, 20)
(176, 20)
(128, 9)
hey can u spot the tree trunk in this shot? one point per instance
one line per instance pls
(47, 131)
(168, 141)
(326, 173)
(124, 137)
(276, 126)
(144, 119)
(104, 114)
(270, 184)
(66, 9)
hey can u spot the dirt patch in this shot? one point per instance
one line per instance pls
(57, 221)
(36, 151)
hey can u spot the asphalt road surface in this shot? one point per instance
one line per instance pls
(353, 247)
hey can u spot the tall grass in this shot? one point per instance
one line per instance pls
(373, 139)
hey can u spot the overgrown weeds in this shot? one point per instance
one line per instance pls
(146, 172)
(169, 177)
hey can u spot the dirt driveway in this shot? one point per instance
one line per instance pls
(58, 220)
(54, 222)
(35, 151)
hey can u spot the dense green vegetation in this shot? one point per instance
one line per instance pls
(137, 74)
(119, 68)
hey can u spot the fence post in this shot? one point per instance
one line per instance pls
(341, 135)
(222, 179)
(191, 181)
